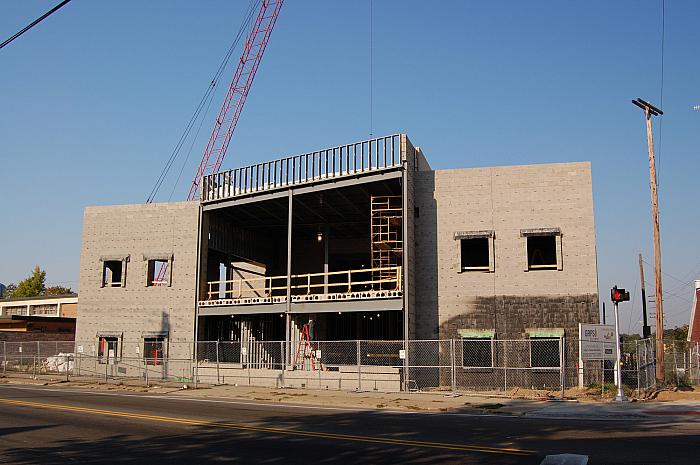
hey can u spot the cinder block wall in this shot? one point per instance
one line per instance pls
(509, 299)
(135, 310)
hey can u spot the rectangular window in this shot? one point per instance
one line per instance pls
(112, 273)
(542, 252)
(158, 273)
(477, 353)
(544, 352)
(108, 349)
(153, 350)
(474, 254)
(476, 251)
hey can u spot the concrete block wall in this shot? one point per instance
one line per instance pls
(414, 161)
(136, 310)
(504, 200)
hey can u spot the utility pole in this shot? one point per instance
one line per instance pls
(646, 329)
(649, 111)
(603, 312)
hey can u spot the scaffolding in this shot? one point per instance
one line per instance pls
(387, 242)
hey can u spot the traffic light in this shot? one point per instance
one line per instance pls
(619, 295)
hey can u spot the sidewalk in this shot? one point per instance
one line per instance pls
(686, 409)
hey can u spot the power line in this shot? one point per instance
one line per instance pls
(371, 82)
(201, 105)
(668, 274)
(35, 22)
(189, 152)
(661, 98)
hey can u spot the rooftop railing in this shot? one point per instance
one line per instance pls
(345, 160)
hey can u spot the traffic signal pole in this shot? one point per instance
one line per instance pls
(649, 111)
(617, 296)
(620, 397)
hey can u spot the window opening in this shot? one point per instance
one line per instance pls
(474, 254)
(112, 273)
(154, 350)
(477, 353)
(158, 273)
(544, 352)
(542, 252)
(108, 349)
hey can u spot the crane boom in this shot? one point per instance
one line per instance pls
(248, 64)
(237, 93)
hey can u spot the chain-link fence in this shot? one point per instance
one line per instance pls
(539, 366)
(37, 357)
(694, 362)
(681, 361)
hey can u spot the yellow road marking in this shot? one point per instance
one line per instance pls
(266, 429)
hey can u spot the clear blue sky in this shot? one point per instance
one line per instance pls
(95, 97)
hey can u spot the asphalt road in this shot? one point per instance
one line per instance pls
(54, 425)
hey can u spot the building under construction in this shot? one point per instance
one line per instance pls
(359, 241)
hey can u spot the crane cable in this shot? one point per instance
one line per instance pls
(205, 100)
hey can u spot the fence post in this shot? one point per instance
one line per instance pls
(675, 362)
(4, 358)
(217, 362)
(67, 357)
(282, 364)
(639, 366)
(195, 356)
(562, 363)
(697, 362)
(453, 367)
(505, 365)
(145, 369)
(106, 363)
(359, 367)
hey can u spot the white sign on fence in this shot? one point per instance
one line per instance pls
(402, 354)
(597, 342)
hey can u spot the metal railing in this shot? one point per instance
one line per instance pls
(344, 160)
(333, 282)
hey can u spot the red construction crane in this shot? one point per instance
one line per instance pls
(236, 96)
(237, 92)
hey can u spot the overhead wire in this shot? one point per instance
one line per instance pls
(661, 97)
(204, 101)
(371, 80)
(189, 152)
(34, 23)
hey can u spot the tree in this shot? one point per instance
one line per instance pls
(58, 290)
(32, 286)
(9, 289)
(679, 333)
